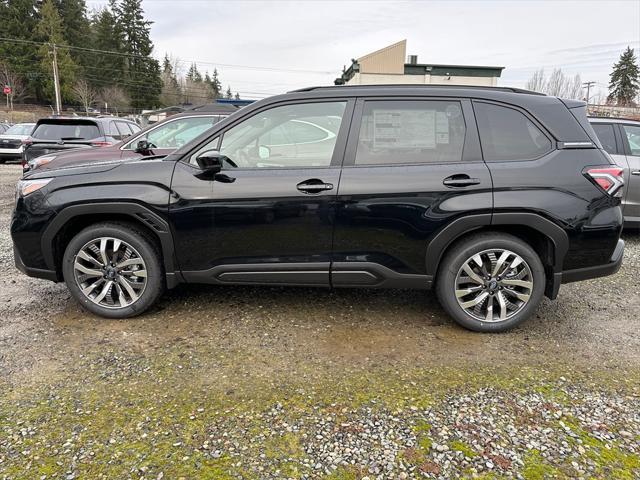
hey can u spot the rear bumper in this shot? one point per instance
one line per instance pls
(34, 272)
(586, 273)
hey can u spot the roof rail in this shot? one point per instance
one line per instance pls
(462, 87)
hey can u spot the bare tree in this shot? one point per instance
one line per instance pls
(537, 82)
(84, 93)
(558, 84)
(11, 79)
(114, 98)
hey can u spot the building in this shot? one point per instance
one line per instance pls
(387, 66)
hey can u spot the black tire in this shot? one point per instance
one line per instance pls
(464, 250)
(145, 247)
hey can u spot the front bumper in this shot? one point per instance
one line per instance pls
(34, 272)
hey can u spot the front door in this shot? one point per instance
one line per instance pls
(268, 216)
(412, 166)
(631, 134)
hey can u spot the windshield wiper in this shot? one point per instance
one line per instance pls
(72, 138)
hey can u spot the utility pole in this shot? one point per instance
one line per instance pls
(588, 85)
(56, 79)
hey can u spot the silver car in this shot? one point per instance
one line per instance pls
(621, 139)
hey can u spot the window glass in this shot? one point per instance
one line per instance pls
(66, 131)
(301, 135)
(507, 134)
(604, 131)
(20, 129)
(112, 131)
(176, 133)
(403, 131)
(633, 137)
(123, 128)
(134, 128)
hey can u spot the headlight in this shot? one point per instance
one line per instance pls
(25, 187)
(43, 160)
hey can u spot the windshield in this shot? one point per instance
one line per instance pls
(20, 129)
(66, 131)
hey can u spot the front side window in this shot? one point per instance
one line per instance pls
(508, 134)
(302, 135)
(633, 137)
(410, 132)
(607, 138)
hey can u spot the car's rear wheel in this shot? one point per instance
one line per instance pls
(490, 282)
(113, 270)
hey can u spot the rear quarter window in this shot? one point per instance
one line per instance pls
(606, 135)
(508, 134)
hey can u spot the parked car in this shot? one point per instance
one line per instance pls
(621, 139)
(56, 135)
(160, 138)
(11, 145)
(495, 196)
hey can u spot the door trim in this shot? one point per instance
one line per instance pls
(282, 274)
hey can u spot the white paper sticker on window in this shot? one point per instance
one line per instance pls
(409, 129)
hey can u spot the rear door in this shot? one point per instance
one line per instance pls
(412, 166)
(610, 136)
(631, 141)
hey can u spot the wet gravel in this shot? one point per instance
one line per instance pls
(242, 382)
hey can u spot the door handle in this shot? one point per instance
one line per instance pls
(314, 186)
(635, 172)
(461, 180)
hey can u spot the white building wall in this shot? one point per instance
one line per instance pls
(396, 79)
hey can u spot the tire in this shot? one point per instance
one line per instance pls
(508, 306)
(135, 285)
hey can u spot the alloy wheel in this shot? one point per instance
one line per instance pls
(494, 285)
(110, 272)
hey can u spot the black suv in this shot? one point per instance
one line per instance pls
(493, 196)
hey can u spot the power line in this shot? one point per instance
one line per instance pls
(146, 57)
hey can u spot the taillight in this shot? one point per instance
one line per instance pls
(609, 179)
(101, 144)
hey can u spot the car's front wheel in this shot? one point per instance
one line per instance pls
(113, 270)
(490, 282)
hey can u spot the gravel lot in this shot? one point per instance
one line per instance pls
(240, 382)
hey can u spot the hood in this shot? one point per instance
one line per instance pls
(84, 156)
(13, 137)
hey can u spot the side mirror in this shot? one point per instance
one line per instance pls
(143, 147)
(210, 162)
(264, 152)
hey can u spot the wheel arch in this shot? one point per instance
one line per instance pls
(549, 240)
(73, 219)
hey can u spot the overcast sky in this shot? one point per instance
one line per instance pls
(267, 47)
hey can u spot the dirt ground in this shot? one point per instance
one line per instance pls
(260, 347)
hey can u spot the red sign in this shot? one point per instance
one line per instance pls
(6, 90)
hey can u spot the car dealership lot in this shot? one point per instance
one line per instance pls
(294, 382)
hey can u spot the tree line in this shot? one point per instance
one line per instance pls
(624, 83)
(103, 57)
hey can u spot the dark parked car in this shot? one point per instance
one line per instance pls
(56, 135)
(621, 139)
(161, 138)
(493, 196)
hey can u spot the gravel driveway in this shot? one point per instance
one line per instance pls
(242, 382)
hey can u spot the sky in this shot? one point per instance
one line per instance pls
(261, 48)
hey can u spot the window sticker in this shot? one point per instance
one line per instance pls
(410, 129)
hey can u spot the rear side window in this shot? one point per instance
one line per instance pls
(66, 131)
(604, 131)
(134, 128)
(123, 128)
(409, 132)
(508, 134)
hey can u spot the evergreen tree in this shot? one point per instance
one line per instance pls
(229, 94)
(143, 81)
(19, 19)
(193, 74)
(76, 27)
(216, 86)
(50, 30)
(107, 36)
(625, 80)
(237, 97)
(171, 92)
